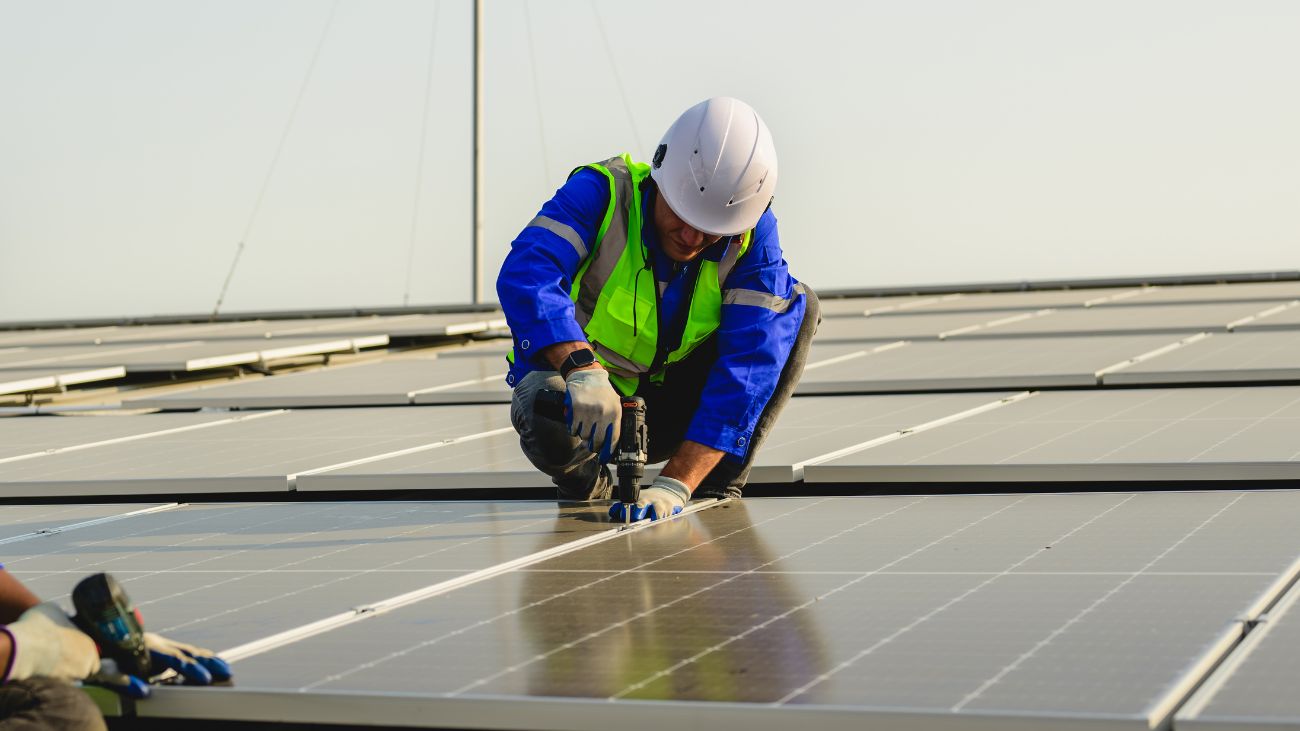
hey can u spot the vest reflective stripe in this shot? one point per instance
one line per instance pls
(729, 259)
(610, 240)
(563, 230)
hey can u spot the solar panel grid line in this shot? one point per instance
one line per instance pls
(1143, 357)
(293, 477)
(99, 351)
(996, 323)
(1261, 315)
(607, 576)
(88, 523)
(146, 435)
(383, 606)
(1179, 689)
(799, 467)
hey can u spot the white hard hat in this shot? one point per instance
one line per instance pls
(716, 166)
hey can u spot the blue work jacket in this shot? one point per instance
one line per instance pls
(754, 340)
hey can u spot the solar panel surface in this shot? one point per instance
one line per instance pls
(261, 451)
(225, 574)
(1202, 433)
(807, 429)
(1239, 357)
(963, 364)
(1049, 606)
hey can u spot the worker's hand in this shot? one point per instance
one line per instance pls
(593, 408)
(663, 498)
(46, 643)
(197, 665)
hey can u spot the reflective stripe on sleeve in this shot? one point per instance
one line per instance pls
(754, 298)
(563, 230)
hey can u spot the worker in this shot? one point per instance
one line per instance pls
(664, 280)
(42, 652)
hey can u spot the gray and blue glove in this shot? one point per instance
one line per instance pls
(594, 409)
(664, 497)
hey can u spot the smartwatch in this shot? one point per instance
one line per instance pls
(576, 359)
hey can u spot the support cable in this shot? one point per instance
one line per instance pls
(275, 159)
(537, 95)
(419, 157)
(618, 80)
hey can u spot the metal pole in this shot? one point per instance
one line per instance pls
(476, 197)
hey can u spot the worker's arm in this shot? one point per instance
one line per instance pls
(14, 600)
(692, 463)
(761, 313)
(537, 275)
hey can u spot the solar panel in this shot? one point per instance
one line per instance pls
(1279, 317)
(1140, 434)
(1255, 687)
(27, 522)
(808, 428)
(29, 436)
(916, 326)
(395, 381)
(1237, 357)
(260, 451)
(964, 364)
(1188, 318)
(977, 301)
(982, 611)
(224, 574)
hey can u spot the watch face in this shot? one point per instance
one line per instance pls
(576, 359)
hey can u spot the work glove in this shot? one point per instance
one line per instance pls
(663, 498)
(195, 665)
(46, 643)
(593, 408)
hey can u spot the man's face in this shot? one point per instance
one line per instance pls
(679, 241)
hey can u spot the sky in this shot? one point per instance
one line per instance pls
(920, 142)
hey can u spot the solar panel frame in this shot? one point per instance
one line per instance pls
(1253, 689)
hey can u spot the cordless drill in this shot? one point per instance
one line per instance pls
(106, 613)
(630, 453)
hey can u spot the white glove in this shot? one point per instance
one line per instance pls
(46, 643)
(594, 409)
(664, 497)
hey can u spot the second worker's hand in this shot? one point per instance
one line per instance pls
(664, 498)
(594, 409)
